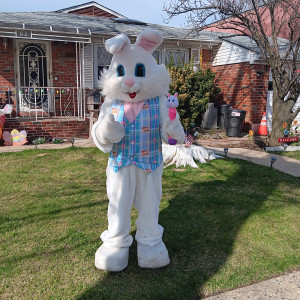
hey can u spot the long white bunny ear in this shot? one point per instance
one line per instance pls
(149, 39)
(117, 43)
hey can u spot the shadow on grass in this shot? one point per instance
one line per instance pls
(201, 224)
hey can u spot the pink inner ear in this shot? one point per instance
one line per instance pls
(147, 44)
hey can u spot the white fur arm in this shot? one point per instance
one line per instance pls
(172, 128)
(106, 131)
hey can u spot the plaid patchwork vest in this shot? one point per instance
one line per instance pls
(141, 144)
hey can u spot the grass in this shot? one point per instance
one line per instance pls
(291, 154)
(228, 223)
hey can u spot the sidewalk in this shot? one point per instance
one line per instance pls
(286, 287)
(78, 143)
(284, 164)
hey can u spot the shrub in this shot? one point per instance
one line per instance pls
(195, 88)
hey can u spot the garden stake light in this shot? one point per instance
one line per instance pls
(72, 141)
(35, 144)
(226, 151)
(284, 147)
(273, 159)
(209, 154)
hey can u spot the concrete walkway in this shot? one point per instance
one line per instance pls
(78, 143)
(286, 287)
(285, 164)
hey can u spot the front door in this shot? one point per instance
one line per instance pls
(33, 76)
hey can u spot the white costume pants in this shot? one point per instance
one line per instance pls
(131, 185)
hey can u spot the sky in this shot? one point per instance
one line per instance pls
(150, 11)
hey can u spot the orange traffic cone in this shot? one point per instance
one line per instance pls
(263, 130)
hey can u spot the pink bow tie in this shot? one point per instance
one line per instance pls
(132, 109)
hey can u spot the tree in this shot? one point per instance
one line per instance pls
(263, 21)
(196, 88)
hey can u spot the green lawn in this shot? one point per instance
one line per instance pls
(291, 154)
(227, 224)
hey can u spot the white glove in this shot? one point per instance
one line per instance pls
(109, 131)
(175, 130)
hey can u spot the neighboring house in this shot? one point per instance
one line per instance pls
(249, 83)
(246, 79)
(50, 61)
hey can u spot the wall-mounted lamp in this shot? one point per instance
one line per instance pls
(5, 42)
(55, 77)
(259, 73)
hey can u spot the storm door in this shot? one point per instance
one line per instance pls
(33, 79)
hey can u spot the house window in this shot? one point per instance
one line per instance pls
(103, 59)
(176, 57)
(157, 55)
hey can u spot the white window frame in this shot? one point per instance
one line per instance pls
(186, 52)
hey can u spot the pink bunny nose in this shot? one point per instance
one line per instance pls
(129, 82)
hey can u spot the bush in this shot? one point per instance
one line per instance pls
(195, 90)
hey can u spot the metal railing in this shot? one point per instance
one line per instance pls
(45, 102)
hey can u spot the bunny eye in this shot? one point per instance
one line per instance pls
(140, 70)
(120, 71)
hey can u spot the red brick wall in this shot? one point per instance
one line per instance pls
(64, 64)
(207, 56)
(7, 75)
(244, 86)
(55, 128)
(64, 67)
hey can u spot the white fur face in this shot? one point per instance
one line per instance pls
(134, 76)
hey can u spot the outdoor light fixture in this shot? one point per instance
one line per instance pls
(226, 151)
(209, 154)
(35, 144)
(55, 77)
(273, 159)
(285, 146)
(5, 42)
(72, 141)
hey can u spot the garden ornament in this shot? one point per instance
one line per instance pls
(132, 123)
(5, 111)
(172, 104)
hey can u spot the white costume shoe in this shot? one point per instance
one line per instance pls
(153, 257)
(111, 259)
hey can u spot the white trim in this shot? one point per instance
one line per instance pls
(186, 50)
(229, 53)
(89, 4)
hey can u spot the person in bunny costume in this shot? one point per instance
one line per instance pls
(132, 124)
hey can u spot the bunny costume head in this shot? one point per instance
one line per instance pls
(133, 74)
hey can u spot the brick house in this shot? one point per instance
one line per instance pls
(248, 83)
(51, 61)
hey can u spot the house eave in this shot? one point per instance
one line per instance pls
(52, 34)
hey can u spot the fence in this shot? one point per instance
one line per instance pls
(44, 102)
